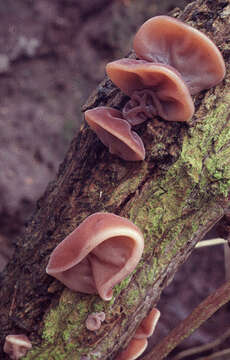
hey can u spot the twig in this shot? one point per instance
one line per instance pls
(210, 242)
(12, 306)
(219, 355)
(205, 347)
(186, 327)
(227, 261)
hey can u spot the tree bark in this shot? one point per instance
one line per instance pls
(175, 196)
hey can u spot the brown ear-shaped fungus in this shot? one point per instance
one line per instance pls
(102, 251)
(139, 341)
(155, 89)
(163, 39)
(148, 324)
(115, 133)
(135, 348)
(16, 346)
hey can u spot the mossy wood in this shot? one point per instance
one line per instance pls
(175, 196)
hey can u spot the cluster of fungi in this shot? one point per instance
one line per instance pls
(174, 62)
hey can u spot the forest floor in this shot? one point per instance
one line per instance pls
(52, 55)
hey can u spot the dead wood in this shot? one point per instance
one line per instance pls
(175, 196)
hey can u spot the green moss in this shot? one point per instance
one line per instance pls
(129, 185)
(50, 331)
(206, 147)
(132, 298)
(64, 322)
(81, 309)
(98, 306)
(146, 278)
(57, 354)
(119, 287)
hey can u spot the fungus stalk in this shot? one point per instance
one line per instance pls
(143, 105)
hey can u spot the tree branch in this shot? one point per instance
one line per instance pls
(175, 196)
(186, 327)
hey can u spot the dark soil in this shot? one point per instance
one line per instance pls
(52, 55)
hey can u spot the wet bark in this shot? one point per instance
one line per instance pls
(175, 196)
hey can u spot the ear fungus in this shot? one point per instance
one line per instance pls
(155, 89)
(94, 320)
(115, 133)
(148, 324)
(139, 341)
(135, 348)
(16, 346)
(102, 251)
(163, 39)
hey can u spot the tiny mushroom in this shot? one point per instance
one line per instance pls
(163, 39)
(115, 133)
(139, 341)
(94, 320)
(155, 89)
(16, 346)
(103, 250)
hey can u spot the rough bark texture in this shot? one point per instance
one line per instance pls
(175, 196)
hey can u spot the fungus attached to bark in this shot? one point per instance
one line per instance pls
(139, 341)
(163, 39)
(115, 133)
(148, 324)
(155, 89)
(135, 348)
(94, 320)
(16, 346)
(102, 251)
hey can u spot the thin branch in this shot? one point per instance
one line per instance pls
(186, 327)
(202, 348)
(220, 355)
(210, 242)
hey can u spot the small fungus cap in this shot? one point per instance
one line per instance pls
(172, 98)
(163, 39)
(16, 346)
(102, 251)
(94, 320)
(115, 133)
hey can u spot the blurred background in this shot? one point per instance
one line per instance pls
(52, 55)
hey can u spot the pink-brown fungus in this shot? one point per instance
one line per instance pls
(163, 39)
(155, 89)
(148, 324)
(16, 346)
(135, 348)
(115, 133)
(140, 107)
(94, 320)
(139, 341)
(103, 250)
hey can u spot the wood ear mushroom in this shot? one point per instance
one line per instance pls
(163, 39)
(102, 251)
(115, 133)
